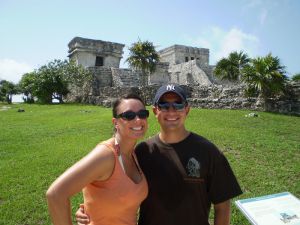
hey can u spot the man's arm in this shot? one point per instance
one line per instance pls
(81, 217)
(222, 213)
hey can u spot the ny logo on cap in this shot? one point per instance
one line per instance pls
(170, 87)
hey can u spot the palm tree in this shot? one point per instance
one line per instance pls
(265, 75)
(143, 56)
(230, 68)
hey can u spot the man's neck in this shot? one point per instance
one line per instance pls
(173, 137)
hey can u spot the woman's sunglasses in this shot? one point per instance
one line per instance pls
(165, 106)
(130, 115)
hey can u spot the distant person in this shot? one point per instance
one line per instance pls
(185, 172)
(113, 183)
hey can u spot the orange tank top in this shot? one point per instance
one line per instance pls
(116, 200)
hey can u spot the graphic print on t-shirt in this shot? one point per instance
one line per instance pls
(193, 168)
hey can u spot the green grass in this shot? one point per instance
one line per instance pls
(40, 143)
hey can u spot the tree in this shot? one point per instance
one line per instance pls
(2, 93)
(50, 82)
(143, 56)
(265, 76)
(77, 75)
(230, 68)
(27, 85)
(296, 77)
(7, 90)
(53, 81)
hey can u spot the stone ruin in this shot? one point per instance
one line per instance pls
(183, 65)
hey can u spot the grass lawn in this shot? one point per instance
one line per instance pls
(39, 144)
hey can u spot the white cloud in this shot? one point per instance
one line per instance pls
(263, 16)
(12, 70)
(221, 43)
(260, 9)
(250, 4)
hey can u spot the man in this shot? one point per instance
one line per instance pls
(185, 172)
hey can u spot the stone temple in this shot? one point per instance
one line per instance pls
(178, 64)
(187, 66)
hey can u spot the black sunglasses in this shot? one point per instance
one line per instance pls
(165, 106)
(130, 115)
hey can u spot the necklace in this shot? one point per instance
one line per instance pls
(118, 151)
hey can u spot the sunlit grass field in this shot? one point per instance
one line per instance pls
(39, 144)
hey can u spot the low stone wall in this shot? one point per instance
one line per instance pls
(211, 97)
(220, 97)
(108, 95)
(291, 107)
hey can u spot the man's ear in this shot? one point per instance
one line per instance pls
(187, 109)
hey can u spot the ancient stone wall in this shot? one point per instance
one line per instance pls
(125, 78)
(102, 76)
(209, 97)
(287, 104)
(219, 96)
(160, 76)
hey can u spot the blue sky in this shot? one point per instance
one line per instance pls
(34, 32)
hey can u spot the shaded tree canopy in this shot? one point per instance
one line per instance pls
(230, 68)
(265, 75)
(52, 81)
(27, 86)
(7, 90)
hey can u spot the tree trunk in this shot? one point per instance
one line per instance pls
(144, 78)
(9, 98)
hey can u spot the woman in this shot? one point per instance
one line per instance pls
(112, 181)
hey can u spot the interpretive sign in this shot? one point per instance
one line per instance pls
(276, 209)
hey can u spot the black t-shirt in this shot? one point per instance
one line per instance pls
(184, 179)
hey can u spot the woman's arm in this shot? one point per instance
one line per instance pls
(97, 165)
